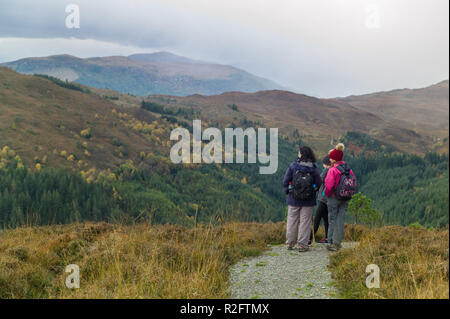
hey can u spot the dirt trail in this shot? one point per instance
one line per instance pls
(280, 273)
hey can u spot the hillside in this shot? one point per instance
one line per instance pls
(143, 74)
(424, 106)
(316, 121)
(98, 155)
(41, 118)
(424, 110)
(117, 160)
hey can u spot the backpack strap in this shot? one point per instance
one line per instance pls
(343, 168)
(303, 168)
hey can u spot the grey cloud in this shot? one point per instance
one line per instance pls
(320, 48)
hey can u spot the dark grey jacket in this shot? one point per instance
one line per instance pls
(320, 193)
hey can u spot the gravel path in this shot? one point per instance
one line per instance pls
(284, 274)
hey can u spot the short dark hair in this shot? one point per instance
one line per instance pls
(326, 160)
(307, 154)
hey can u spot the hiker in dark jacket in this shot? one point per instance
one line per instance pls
(322, 208)
(300, 211)
(337, 209)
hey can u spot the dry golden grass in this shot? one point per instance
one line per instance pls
(138, 261)
(413, 264)
(144, 261)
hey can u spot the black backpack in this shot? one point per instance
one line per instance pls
(346, 187)
(303, 185)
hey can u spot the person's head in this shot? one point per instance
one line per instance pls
(326, 162)
(306, 154)
(337, 154)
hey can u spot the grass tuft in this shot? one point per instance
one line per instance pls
(413, 263)
(139, 261)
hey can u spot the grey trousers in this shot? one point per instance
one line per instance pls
(294, 233)
(336, 220)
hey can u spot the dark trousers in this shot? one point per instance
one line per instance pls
(321, 213)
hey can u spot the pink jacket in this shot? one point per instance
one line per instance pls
(333, 178)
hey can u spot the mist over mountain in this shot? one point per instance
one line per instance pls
(144, 74)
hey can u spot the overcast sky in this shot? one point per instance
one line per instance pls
(324, 48)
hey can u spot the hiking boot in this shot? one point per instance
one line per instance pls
(323, 241)
(302, 249)
(332, 247)
(289, 247)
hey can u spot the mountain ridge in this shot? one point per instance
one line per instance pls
(422, 107)
(143, 74)
(315, 119)
(319, 122)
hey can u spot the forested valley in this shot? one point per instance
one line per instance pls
(404, 188)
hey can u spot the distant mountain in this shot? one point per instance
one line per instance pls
(317, 120)
(424, 110)
(419, 107)
(162, 57)
(144, 74)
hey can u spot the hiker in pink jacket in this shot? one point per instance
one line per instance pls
(338, 195)
(333, 177)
